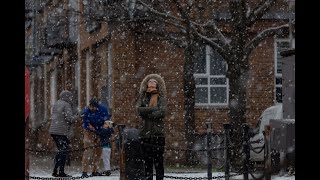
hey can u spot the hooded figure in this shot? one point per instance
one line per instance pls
(61, 120)
(62, 116)
(152, 108)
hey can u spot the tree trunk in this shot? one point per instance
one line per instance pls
(237, 109)
(189, 102)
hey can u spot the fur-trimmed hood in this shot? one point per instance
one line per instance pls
(161, 84)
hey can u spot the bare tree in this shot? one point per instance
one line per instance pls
(190, 21)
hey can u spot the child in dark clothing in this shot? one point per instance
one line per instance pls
(105, 134)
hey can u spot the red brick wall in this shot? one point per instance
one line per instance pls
(261, 81)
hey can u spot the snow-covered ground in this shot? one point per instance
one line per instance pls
(116, 176)
(41, 167)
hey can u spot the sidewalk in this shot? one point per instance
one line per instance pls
(41, 167)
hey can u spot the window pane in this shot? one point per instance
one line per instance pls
(278, 81)
(200, 59)
(201, 81)
(201, 95)
(279, 94)
(281, 46)
(279, 67)
(217, 64)
(214, 81)
(218, 95)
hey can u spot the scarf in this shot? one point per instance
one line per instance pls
(153, 92)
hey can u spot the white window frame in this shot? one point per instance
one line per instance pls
(109, 80)
(77, 84)
(208, 85)
(53, 88)
(276, 58)
(89, 60)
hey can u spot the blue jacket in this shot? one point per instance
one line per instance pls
(105, 134)
(96, 118)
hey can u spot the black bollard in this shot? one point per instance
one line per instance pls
(226, 151)
(209, 149)
(122, 152)
(246, 151)
(267, 150)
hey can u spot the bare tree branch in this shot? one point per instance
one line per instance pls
(166, 15)
(259, 11)
(210, 24)
(261, 36)
(211, 43)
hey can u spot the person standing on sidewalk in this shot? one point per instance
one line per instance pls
(93, 118)
(152, 108)
(61, 119)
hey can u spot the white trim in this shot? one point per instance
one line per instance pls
(45, 90)
(53, 88)
(109, 81)
(77, 84)
(88, 76)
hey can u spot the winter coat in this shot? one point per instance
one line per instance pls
(62, 116)
(105, 135)
(152, 117)
(96, 119)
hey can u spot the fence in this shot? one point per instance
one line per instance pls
(219, 148)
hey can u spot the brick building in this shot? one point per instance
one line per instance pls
(80, 46)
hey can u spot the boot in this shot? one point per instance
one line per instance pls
(62, 174)
(84, 175)
(55, 173)
(96, 173)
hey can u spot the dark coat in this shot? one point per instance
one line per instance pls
(152, 124)
(105, 136)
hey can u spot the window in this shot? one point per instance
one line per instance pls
(90, 11)
(280, 45)
(212, 86)
(106, 91)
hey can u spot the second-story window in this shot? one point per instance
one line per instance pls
(91, 13)
(212, 86)
(280, 45)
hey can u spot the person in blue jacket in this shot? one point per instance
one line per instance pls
(93, 118)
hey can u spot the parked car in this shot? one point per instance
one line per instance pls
(273, 112)
(282, 138)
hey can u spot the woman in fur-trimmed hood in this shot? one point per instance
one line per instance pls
(152, 108)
